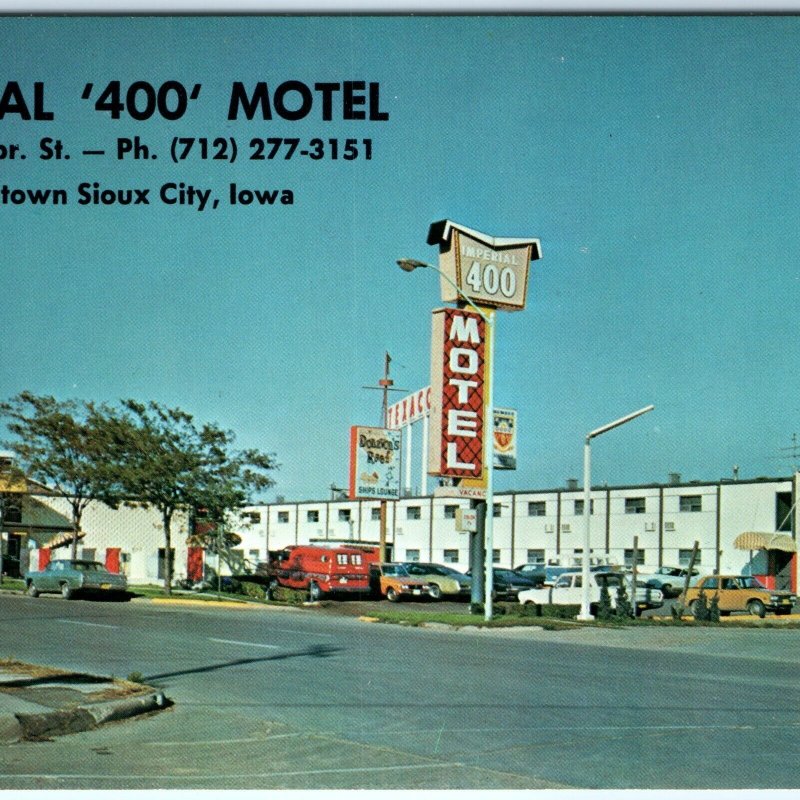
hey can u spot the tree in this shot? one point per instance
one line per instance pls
(169, 463)
(63, 444)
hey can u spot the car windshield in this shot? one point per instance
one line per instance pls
(608, 579)
(87, 566)
(748, 582)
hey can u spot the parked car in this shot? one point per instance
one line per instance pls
(507, 584)
(548, 574)
(568, 590)
(739, 593)
(393, 582)
(441, 580)
(670, 580)
(72, 577)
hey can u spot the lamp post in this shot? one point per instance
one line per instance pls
(409, 265)
(586, 614)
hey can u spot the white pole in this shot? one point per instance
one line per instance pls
(586, 614)
(425, 432)
(587, 500)
(488, 465)
(409, 428)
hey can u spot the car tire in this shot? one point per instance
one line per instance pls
(32, 590)
(666, 589)
(66, 591)
(314, 592)
(435, 591)
(756, 608)
(391, 595)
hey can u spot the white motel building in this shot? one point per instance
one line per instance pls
(663, 520)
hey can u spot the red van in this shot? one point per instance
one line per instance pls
(320, 569)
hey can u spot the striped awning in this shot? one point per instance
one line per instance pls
(62, 539)
(752, 540)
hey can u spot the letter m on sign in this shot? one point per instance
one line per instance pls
(458, 388)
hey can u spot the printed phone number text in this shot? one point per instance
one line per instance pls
(222, 148)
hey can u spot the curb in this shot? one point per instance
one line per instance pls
(27, 727)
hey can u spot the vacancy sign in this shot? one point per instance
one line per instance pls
(458, 388)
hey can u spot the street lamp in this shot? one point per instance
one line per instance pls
(409, 265)
(586, 614)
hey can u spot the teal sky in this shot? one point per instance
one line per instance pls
(656, 158)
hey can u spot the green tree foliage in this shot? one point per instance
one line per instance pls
(64, 445)
(168, 462)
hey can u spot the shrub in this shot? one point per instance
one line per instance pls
(254, 590)
(624, 607)
(700, 607)
(293, 596)
(604, 610)
(713, 609)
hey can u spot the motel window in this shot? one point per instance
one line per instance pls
(579, 505)
(450, 512)
(537, 508)
(783, 511)
(629, 557)
(412, 555)
(450, 557)
(535, 556)
(496, 510)
(414, 512)
(283, 516)
(685, 556)
(312, 515)
(344, 515)
(376, 514)
(253, 517)
(634, 505)
(495, 556)
(691, 502)
(13, 514)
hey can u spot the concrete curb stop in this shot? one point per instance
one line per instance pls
(27, 727)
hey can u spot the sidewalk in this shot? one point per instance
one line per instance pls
(41, 702)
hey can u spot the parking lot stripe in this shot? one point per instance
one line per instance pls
(90, 624)
(245, 644)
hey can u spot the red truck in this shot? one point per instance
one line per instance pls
(320, 569)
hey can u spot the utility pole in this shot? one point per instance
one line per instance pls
(385, 385)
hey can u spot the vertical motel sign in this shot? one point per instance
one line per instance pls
(458, 388)
(493, 273)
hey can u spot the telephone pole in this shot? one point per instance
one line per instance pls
(385, 385)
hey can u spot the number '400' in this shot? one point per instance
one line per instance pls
(489, 279)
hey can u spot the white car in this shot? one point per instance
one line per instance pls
(568, 590)
(669, 580)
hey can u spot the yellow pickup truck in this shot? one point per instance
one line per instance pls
(739, 593)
